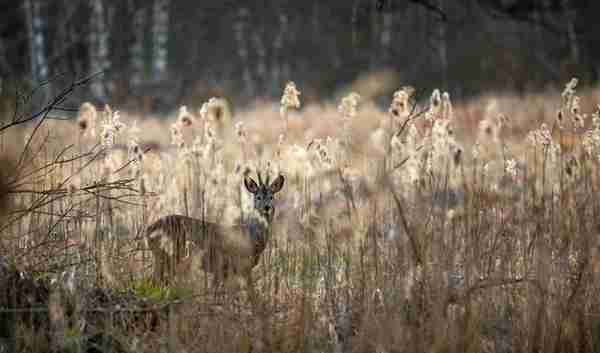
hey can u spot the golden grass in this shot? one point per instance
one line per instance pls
(451, 255)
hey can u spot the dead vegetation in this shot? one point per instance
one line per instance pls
(426, 227)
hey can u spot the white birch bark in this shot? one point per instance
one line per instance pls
(36, 25)
(241, 30)
(137, 50)
(160, 38)
(98, 44)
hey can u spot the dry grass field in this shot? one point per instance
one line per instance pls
(422, 227)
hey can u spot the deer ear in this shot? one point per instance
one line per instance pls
(250, 185)
(277, 184)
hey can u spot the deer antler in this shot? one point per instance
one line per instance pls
(260, 181)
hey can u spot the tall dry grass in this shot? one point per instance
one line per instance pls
(422, 227)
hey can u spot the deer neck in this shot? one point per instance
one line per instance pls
(258, 230)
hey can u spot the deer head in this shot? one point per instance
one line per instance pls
(263, 193)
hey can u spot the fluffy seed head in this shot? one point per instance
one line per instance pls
(511, 168)
(184, 118)
(401, 101)
(176, 136)
(447, 110)
(86, 119)
(569, 91)
(349, 104)
(290, 98)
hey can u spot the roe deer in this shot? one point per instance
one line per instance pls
(226, 250)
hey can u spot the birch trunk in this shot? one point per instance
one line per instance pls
(99, 60)
(138, 56)
(241, 30)
(160, 36)
(36, 26)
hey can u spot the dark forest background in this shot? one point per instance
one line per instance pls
(157, 54)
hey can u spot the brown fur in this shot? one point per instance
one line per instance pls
(226, 251)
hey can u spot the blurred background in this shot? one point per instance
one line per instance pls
(158, 54)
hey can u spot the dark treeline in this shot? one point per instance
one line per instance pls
(160, 53)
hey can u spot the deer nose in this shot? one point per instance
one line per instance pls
(268, 208)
